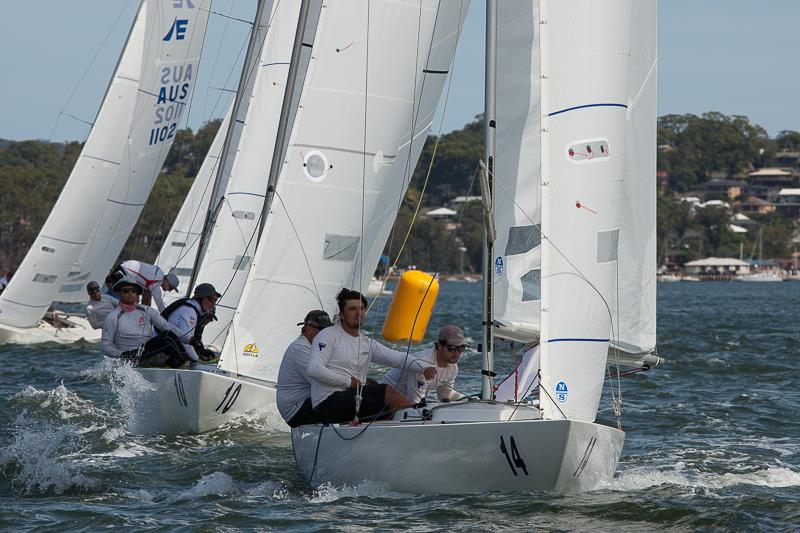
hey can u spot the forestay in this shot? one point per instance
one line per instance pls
(368, 100)
(584, 159)
(234, 236)
(516, 265)
(179, 250)
(174, 40)
(72, 220)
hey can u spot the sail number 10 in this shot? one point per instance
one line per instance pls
(513, 457)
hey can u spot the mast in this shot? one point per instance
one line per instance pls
(487, 389)
(220, 182)
(291, 81)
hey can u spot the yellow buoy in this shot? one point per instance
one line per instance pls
(414, 298)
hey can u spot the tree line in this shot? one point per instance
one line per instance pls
(32, 173)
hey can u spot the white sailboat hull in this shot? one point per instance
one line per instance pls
(74, 328)
(194, 401)
(461, 455)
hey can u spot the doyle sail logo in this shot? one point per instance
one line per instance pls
(177, 30)
(251, 350)
(562, 391)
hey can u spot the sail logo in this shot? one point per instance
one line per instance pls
(251, 350)
(499, 266)
(562, 391)
(321, 346)
(177, 30)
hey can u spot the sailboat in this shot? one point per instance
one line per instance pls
(151, 86)
(569, 193)
(761, 276)
(347, 139)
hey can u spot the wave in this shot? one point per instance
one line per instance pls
(327, 492)
(643, 478)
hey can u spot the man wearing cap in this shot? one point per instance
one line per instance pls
(444, 356)
(294, 387)
(340, 358)
(151, 277)
(99, 306)
(129, 331)
(190, 316)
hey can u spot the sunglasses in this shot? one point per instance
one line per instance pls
(455, 349)
(93, 290)
(127, 289)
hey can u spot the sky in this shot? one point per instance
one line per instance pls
(738, 57)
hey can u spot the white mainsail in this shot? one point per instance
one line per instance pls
(516, 266)
(71, 222)
(174, 41)
(234, 237)
(179, 250)
(584, 159)
(368, 100)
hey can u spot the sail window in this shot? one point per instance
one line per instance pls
(182, 272)
(44, 278)
(315, 166)
(340, 247)
(178, 244)
(246, 215)
(607, 245)
(522, 239)
(48, 249)
(241, 262)
(532, 285)
(72, 287)
(588, 151)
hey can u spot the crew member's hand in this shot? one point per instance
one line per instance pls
(130, 355)
(429, 372)
(354, 383)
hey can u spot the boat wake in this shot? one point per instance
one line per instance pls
(327, 492)
(643, 478)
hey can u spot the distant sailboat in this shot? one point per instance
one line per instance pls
(151, 86)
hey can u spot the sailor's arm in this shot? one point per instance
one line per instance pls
(386, 356)
(109, 334)
(318, 366)
(91, 316)
(185, 322)
(156, 293)
(160, 322)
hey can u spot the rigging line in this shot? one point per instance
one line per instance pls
(225, 16)
(525, 394)
(89, 66)
(302, 249)
(430, 164)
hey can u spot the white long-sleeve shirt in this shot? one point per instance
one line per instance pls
(123, 331)
(336, 356)
(294, 386)
(98, 310)
(150, 277)
(184, 318)
(414, 386)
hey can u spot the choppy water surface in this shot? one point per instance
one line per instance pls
(713, 441)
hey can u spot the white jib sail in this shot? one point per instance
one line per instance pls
(637, 239)
(234, 236)
(367, 103)
(179, 250)
(72, 220)
(516, 266)
(174, 40)
(585, 54)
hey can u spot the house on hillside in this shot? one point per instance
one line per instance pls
(753, 204)
(723, 189)
(771, 177)
(788, 204)
(787, 159)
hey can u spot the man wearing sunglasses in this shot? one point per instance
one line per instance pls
(99, 306)
(443, 356)
(190, 316)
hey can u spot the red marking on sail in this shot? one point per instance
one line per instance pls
(579, 205)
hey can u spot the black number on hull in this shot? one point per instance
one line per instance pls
(229, 399)
(514, 459)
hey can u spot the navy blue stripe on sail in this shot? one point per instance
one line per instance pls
(577, 339)
(554, 113)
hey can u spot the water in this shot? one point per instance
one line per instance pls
(713, 441)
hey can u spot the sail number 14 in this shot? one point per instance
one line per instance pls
(512, 456)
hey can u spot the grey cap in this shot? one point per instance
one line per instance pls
(173, 281)
(205, 290)
(453, 335)
(317, 318)
(127, 281)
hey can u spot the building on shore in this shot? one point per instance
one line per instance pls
(717, 268)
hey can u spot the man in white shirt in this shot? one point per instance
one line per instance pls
(294, 386)
(340, 357)
(151, 277)
(99, 306)
(444, 356)
(190, 316)
(129, 332)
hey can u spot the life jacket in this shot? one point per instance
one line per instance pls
(198, 329)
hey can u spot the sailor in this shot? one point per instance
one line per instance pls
(294, 386)
(129, 332)
(99, 306)
(5, 280)
(151, 277)
(190, 316)
(109, 290)
(340, 357)
(444, 356)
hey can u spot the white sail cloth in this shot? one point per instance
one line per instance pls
(174, 40)
(367, 102)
